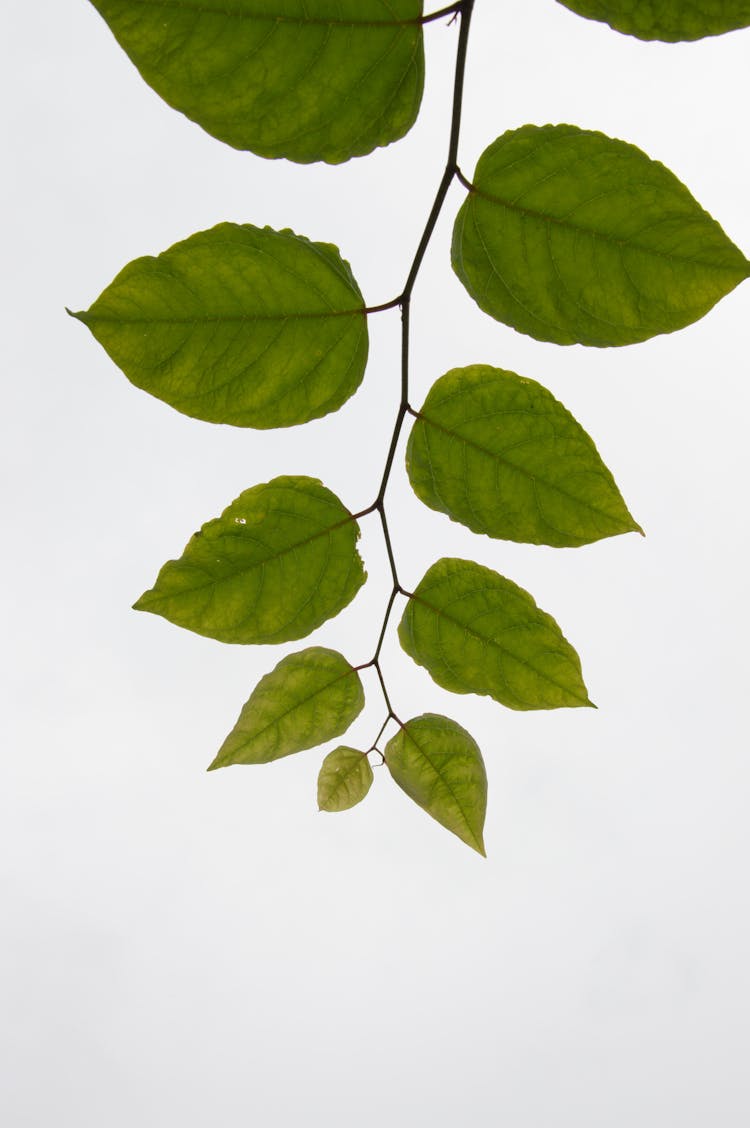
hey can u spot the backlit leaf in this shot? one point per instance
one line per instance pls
(305, 79)
(476, 632)
(344, 779)
(309, 698)
(500, 454)
(278, 562)
(238, 324)
(440, 767)
(671, 20)
(570, 236)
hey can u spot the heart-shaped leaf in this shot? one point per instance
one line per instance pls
(476, 632)
(257, 328)
(440, 767)
(309, 698)
(278, 562)
(500, 454)
(344, 779)
(570, 236)
(311, 81)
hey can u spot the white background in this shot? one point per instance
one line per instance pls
(189, 949)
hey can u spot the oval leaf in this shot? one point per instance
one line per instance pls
(476, 632)
(240, 325)
(670, 20)
(283, 78)
(344, 779)
(500, 454)
(570, 236)
(440, 767)
(278, 562)
(309, 698)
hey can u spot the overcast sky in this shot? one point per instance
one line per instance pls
(190, 949)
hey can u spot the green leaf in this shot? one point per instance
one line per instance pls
(309, 698)
(440, 767)
(278, 562)
(501, 455)
(238, 324)
(570, 236)
(344, 779)
(671, 20)
(476, 632)
(305, 79)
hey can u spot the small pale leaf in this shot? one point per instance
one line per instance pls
(309, 698)
(573, 237)
(240, 325)
(344, 780)
(476, 632)
(311, 81)
(501, 455)
(670, 20)
(278, 562)
(440, 767)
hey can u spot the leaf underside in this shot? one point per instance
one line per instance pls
(278, 562)
(476, 632)
(571, 236)
(440, 767)
(670, 20)
(308, 698)
(317, 81)
(501, 455)
(240, 325)
(344, 779)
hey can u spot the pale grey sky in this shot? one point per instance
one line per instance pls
(190, 949)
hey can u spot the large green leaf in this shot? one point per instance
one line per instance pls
(671, 20)
(570, 236)
(500, 454)
(344, 779)
(476, 632)
(440, 767)
(309, 698)
(305, 79)
(278, 562)
(238, 324)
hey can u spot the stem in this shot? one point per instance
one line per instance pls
(463, 9)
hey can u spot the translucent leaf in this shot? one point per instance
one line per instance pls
(440, 767)
(476, 632)
(305, 79)
(671, 20)
(500, 454)
(344, 779)
(309, 698)
(278, 562)
(570, 236)
(238, 324)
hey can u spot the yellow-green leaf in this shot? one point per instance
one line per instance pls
(309, 698)
(501, 455)
(670, 20)
(571, 236)
(440, 767)
(344, 779)
(309, 80)
(240, 325)
(278, 562)
(476, 632)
